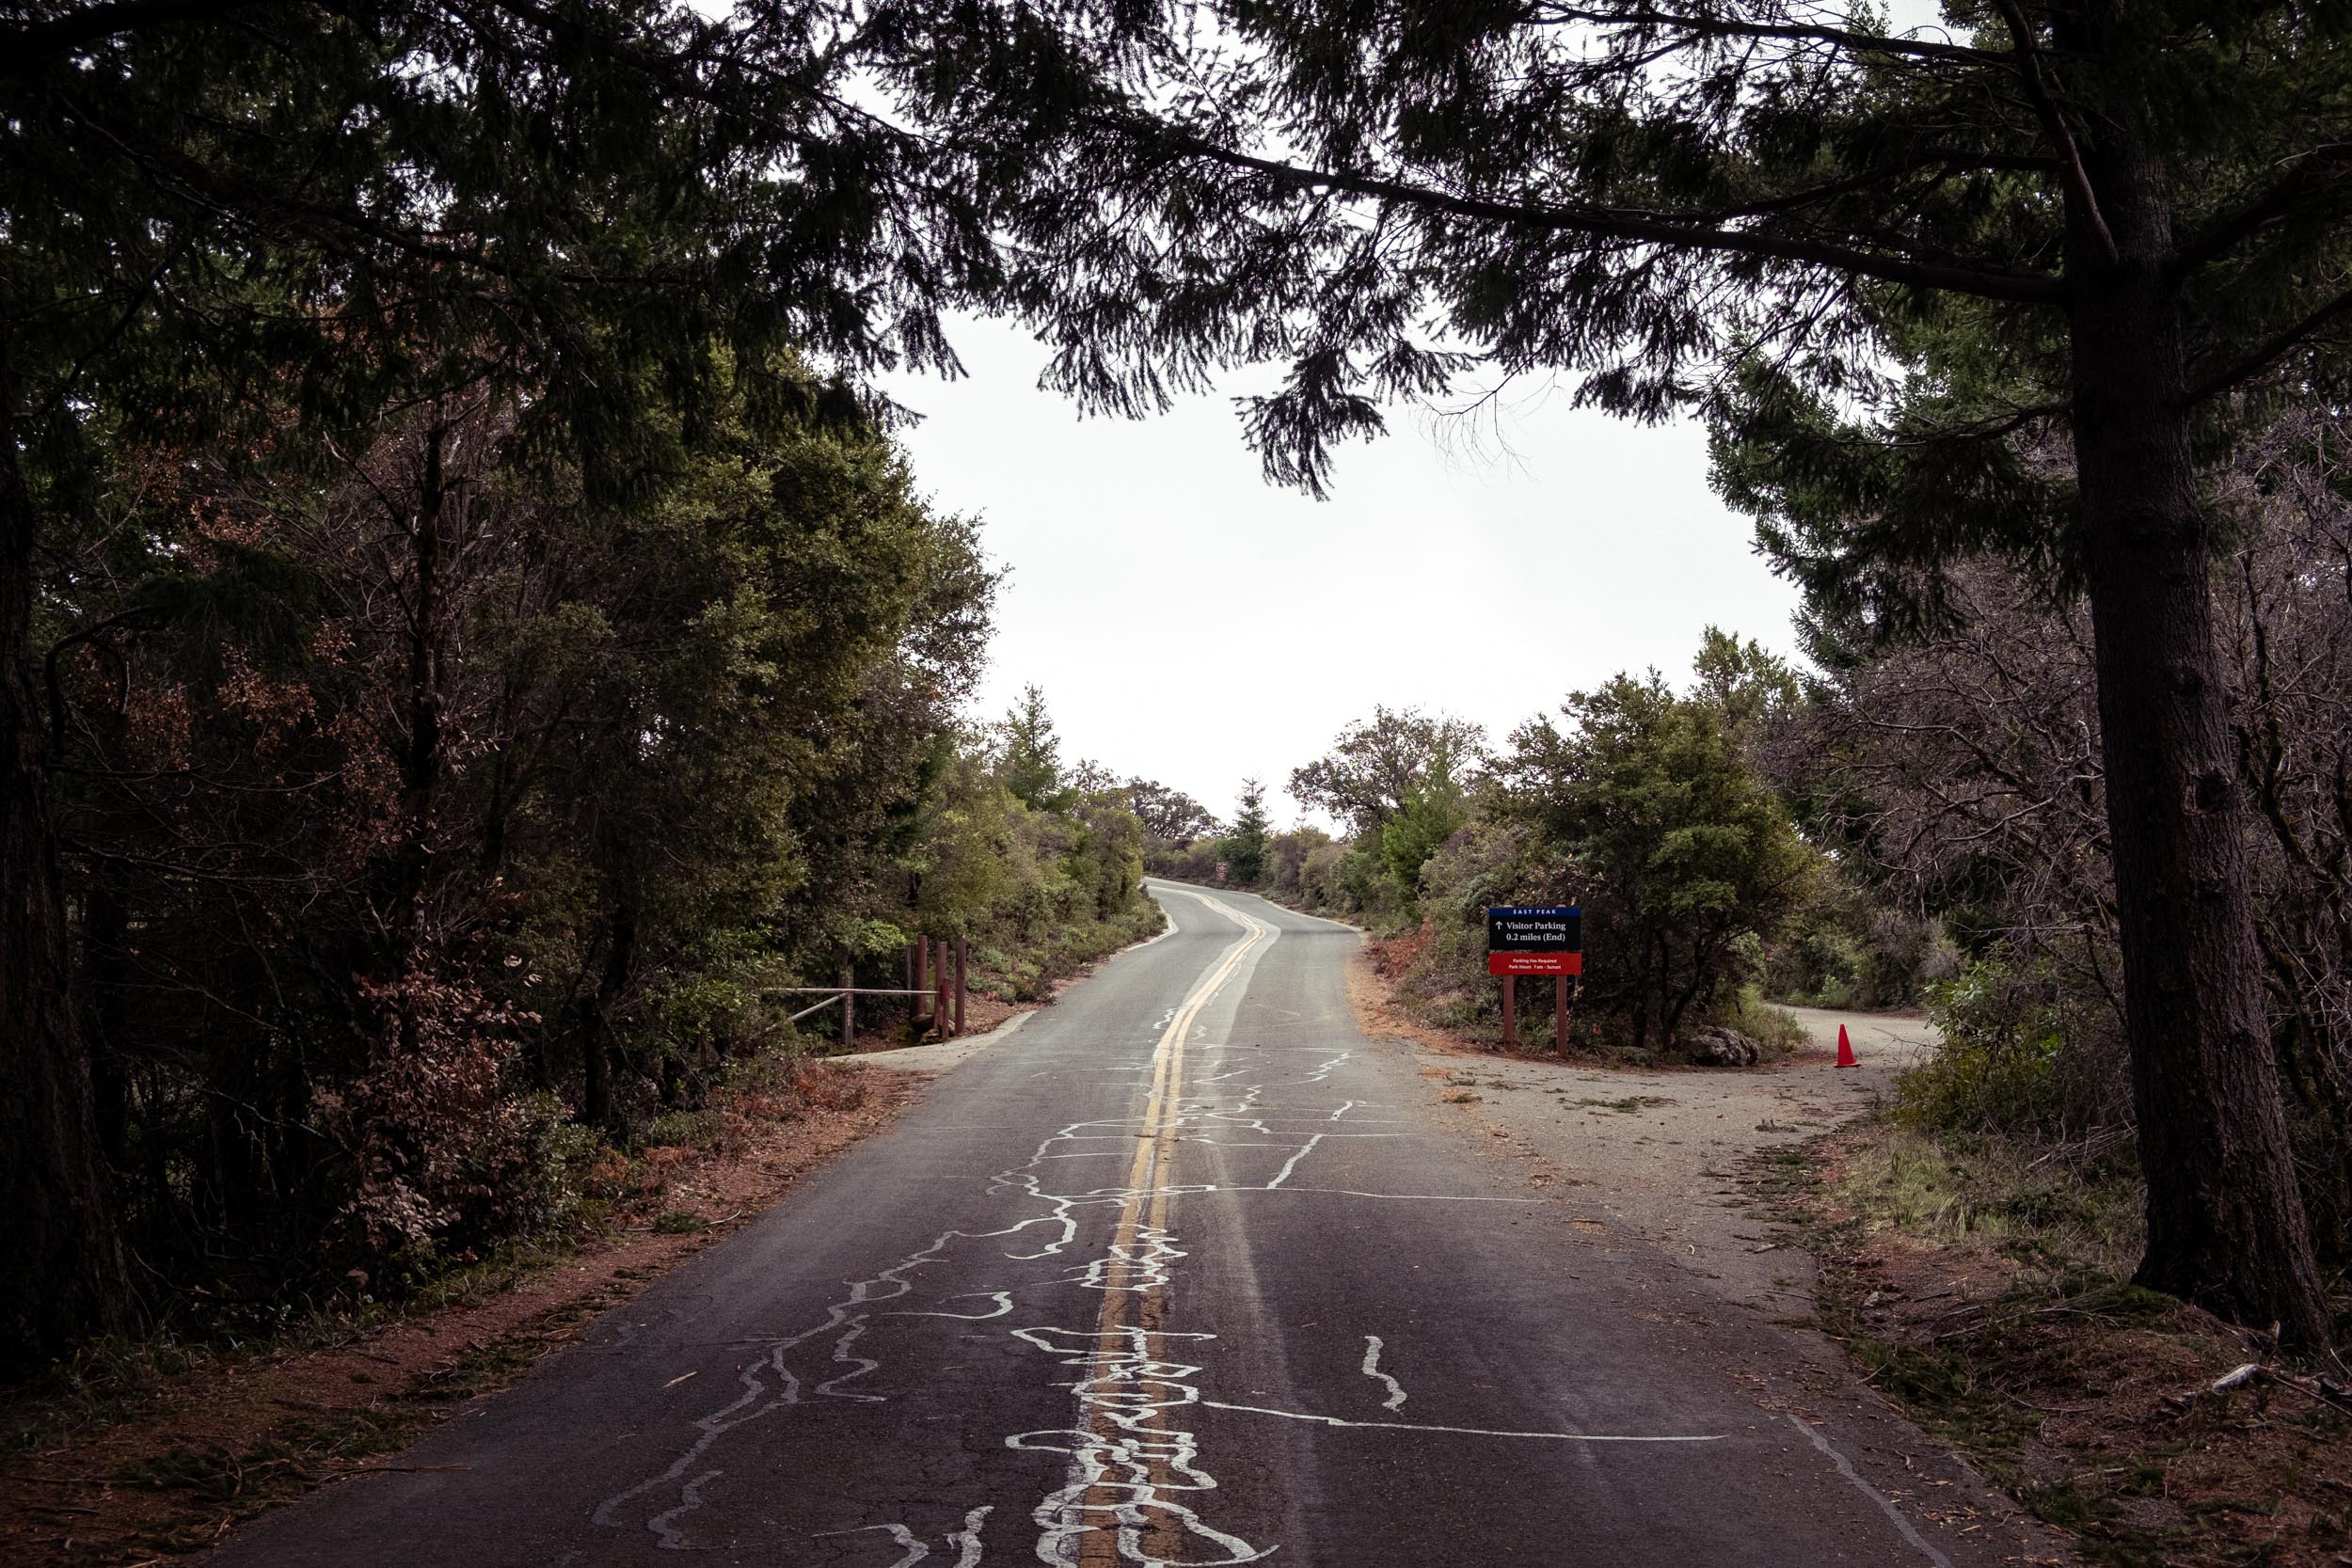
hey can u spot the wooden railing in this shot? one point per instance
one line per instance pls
(935, 978)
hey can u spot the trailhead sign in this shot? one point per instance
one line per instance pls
(1534, 941)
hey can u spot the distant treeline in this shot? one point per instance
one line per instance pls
(1645, 804)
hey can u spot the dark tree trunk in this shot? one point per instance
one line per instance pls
(596, 1055)
(421, 762)
(2225, 1225)
(65, 1273)
(105, 934)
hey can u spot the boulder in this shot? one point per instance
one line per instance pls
(1716, 1046)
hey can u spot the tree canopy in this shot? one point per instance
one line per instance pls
(1887, 260)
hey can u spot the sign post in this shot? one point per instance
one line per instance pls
(1540, 939)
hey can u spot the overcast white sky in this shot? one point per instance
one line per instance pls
(1192, 624)
(1195, 625)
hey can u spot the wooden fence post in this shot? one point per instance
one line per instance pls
(960, 947)
(849, 1019)
(1510, 1023)
(1560, 1014)
(922, 986)
(943, 1011)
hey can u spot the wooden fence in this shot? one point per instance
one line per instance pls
(935, 978)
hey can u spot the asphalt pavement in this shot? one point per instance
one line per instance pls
(1186, 1271)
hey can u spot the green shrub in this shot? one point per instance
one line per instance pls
(1776, 1028)
(2024, 1055)
(683, 1130)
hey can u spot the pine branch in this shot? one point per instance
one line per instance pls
(33, 45)
(1685, 230)
(2320, 169)
(2270, 350)
(2070, 155)
(1722, 27)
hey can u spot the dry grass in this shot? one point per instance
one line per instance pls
(1989, 1298)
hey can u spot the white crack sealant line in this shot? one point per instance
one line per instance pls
(1886, 1504)
(916, 1551)
(1460, 1432)
(1292, 1163)
(1126, 1459)
(1398, 1198)
(1002, 1298)
(1133, 1267)
(1344, 1107)
(859, 1364)
(1128, 1492)
(689, 1499)
(1372, 1369)
(966, 1541)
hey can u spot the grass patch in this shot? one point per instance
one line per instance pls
(1777, 1029)
(1988, 1295)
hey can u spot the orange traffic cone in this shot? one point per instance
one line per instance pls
(1845, 1048)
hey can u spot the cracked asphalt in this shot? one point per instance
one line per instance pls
(1186, 1271)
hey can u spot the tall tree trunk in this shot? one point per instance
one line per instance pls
(421, 763)
(2225, 1225)
(597, 1106)
(65, 1273)
(105, 973)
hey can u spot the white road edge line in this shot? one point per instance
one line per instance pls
(1886, 1504)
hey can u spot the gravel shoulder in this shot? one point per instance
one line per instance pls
(1658, 1156)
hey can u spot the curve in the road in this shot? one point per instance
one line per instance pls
(1188, 1272)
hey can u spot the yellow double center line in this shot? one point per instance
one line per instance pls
(1145, 1207)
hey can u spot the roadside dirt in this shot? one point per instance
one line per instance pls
(1659, 1155)
(176, 1466)
(2091, 1402)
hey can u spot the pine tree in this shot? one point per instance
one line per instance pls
(1030, 755)
(1245, 846)
(266, 229)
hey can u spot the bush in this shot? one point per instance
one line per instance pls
(2024, 1055)
(1442, 967)
(1775, 1028)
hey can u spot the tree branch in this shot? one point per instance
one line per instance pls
(2070, 155)
(2271, 350)
(1710, 26)
(2318, 168)
(1672, 229)
(28, 46)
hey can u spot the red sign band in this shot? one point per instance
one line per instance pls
(1535, 963)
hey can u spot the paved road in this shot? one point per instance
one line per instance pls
(1187, 1271)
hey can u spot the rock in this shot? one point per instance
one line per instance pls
(1716, 1046)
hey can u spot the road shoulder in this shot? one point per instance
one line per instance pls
(1677, 1177)
(131, 1462)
